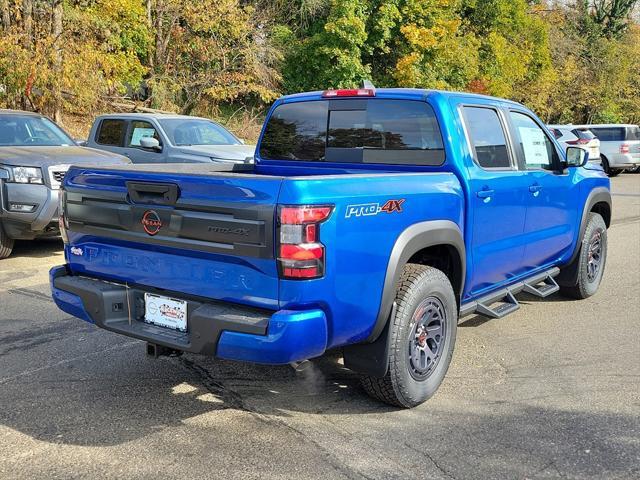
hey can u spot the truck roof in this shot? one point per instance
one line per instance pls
(408, 93)
(4, 111)
(150, 115)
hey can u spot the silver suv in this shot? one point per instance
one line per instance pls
(619, 146)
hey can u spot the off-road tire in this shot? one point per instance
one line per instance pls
(586, 286)
(6, 244)
(399, 388)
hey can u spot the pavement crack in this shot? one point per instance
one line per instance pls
(231, 398)
(433, 460)
(27, 292)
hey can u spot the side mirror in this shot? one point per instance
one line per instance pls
(577, 157)
(4, 175)
(80, 142)
(150, 143)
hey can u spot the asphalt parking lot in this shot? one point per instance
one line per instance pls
(552, 391)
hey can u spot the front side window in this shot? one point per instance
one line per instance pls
(30, 130)
(139, 130)
(536, 148)
(381, 131)
(487, 137)
(183, 132)
(111, 132)
(633, 133)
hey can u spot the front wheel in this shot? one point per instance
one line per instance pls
(422, 337)
(591, 259)
(6, 244)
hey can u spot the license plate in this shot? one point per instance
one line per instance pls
(165, 312)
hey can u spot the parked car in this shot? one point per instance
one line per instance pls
(569, 135)
(372, 221)
(160, 138)
(619, 146)
(34, 156)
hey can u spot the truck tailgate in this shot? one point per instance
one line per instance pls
(208, 235)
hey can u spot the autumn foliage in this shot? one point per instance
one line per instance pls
(570, 62)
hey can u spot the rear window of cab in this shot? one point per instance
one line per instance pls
(383, 131)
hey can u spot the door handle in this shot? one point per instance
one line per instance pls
(485, 193)
(535, 188)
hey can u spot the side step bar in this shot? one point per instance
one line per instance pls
(541, 285)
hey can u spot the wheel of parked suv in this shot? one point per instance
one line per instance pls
(607, 168)
(422, 337)
(6, 244)
(591, 259)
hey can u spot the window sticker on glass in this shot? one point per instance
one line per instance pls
(140, 133)
(534, 146)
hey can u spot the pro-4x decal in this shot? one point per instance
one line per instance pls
(368, 209)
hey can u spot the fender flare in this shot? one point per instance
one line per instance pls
(371, 356)
(568, 274)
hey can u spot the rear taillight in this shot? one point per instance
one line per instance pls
(300, 253)
(62, 215)
(579, 141)
(624, 148)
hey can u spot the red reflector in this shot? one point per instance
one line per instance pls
(301, 272)
(308, 251)
(311, 232)
(350, 92)
(299, 215)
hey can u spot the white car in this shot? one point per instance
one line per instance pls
(619, 146)
(577, 136)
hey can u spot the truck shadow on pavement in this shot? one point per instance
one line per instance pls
(121, 396)
(39, 248)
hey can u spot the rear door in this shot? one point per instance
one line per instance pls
(203, 235)
(110, 135)
(498, 199)
(551, 193)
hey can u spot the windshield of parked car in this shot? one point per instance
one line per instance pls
(183, 132)
(31, 130)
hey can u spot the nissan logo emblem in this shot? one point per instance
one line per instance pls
(151, 222)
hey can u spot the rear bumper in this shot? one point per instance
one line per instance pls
(214, 328)
(624, 160)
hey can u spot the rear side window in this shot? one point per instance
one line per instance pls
(556, 133)
(357, 131)
(609, 134)
(110, 132)
(583, 134)
(487, 137)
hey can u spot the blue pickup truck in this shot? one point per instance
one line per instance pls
(372, 221)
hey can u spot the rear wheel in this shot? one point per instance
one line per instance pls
(6, 244)
(607, 168)
(422, 337)
(591, 259)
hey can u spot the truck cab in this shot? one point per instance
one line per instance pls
(371, 221)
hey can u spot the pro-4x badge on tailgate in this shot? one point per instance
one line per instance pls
(367, 209)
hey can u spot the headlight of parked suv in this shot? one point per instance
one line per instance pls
(27, 175)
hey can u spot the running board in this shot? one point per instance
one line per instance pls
(509, 305)
(506, 296)
(549, 287)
